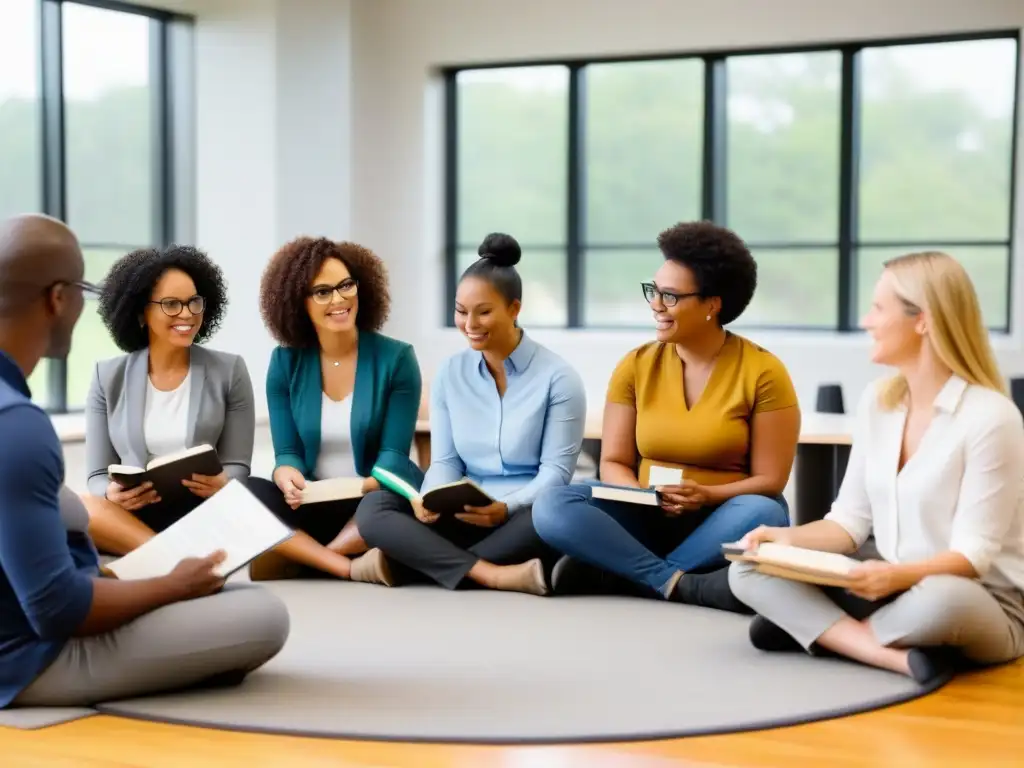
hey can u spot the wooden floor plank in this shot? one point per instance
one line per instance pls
(976, 720)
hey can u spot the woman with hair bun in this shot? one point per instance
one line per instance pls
(506, 413)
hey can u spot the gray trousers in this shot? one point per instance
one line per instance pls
(985, 624)
(223, 636)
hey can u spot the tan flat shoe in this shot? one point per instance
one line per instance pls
(372, 568)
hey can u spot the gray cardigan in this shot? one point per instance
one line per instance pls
(221, 413)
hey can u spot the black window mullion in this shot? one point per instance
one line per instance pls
(51, 69)
(451, 194)
(162, 146)
(849, 189)
(576, 184)
(713, 181)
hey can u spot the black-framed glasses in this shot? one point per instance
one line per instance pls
(173, 307)
(85, 285)
(346, 289)
(668, 298)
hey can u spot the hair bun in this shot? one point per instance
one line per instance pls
(500, 249)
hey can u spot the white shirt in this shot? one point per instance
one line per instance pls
(166, 422)
(336, 458)
(961, 490)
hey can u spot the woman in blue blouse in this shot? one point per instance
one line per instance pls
(506, 413)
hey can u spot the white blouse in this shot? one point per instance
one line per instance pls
(336, 458)
(960, 491)
(166, 421)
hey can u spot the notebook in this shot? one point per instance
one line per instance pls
(451, 498)
(166, 472)
(627, 494)
(233, 520)
(796, 563)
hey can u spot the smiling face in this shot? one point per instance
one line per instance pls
(174, 313)
(333, 301)
(896, 328)
(688, 314)
(483, 315)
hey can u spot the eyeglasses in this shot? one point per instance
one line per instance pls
(346, 289)
(85, 285)
(173, 307)
(668, 298)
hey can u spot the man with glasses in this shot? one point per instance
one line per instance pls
(69, 637)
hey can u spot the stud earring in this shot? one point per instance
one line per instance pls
(708, 318)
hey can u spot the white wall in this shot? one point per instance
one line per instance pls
(273, 149)
(323, 117)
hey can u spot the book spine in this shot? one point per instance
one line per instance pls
(393, 482)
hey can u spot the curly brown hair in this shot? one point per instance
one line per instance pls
(721, 263)
(287, 279)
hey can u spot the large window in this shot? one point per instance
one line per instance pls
(826, 160)
(89, 124)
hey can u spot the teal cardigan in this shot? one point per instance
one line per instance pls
(386, 401)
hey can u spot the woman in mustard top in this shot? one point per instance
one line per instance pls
(708, 417)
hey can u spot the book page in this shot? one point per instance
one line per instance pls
(332, 489)
(232, 520)
(806, 559)
(170, 458)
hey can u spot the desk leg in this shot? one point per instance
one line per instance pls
(819, 473)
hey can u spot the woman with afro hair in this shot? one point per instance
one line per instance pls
(343, 398)
(707, 416)
(165, 394)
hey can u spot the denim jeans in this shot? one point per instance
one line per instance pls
(642, 543)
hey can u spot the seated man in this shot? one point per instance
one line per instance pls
(69, 637)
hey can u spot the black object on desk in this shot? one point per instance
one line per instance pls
(830, 399)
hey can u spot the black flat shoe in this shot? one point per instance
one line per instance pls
(766, 636)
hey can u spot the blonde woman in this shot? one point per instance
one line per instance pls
(936, 474)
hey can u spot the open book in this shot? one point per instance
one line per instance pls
(232, 520)
(451, 498)
(332, 489)
(167, 472)
(828, 569)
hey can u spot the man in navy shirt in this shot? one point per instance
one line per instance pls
(68, 636)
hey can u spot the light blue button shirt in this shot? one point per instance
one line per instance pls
(513, 446)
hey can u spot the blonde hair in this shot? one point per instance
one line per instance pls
(937, 284)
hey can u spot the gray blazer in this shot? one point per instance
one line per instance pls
(221, 413)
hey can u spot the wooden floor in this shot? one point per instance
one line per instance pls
(976, 721)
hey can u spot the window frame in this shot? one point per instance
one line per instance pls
(713, 171)
(172, 112)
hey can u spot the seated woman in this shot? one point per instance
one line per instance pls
(711, 411)
(342, 399)
(935, 473)
(165, 395)
(508, 414)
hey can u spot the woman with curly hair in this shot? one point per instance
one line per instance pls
(707, 416)
(343, 398)
(165, 394)
(508, 414)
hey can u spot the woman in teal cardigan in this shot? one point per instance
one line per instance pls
(342, 397)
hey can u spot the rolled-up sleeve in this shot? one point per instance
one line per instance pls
(990, 492)
(34, 552)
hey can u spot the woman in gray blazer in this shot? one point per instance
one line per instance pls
(165, 395)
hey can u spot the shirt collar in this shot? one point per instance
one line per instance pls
(951, 394)
(12, 374)
(521, 356)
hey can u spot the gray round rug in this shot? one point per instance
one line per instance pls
(424, 664)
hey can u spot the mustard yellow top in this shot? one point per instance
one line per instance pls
(710, 442)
